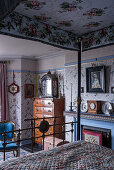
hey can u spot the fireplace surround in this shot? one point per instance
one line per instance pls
(104, 125)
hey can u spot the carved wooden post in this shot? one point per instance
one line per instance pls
(79, 87)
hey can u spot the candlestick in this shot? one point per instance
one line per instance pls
(71, 92)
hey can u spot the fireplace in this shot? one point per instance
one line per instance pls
(96, 135)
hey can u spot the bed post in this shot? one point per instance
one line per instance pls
(79, 87)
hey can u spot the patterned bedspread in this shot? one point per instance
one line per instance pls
(76, 155)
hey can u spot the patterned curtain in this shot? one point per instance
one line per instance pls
(3, 92)
(6, 6)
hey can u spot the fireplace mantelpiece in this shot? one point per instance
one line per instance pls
(100, 117)
(96, 120)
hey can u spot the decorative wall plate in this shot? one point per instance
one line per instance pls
(107, 108)
(84, 107)
(13, 88)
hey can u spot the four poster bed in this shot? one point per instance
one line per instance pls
(74, 155)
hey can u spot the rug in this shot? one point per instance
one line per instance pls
(9, 155)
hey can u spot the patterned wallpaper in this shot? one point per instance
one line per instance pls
(71, 76)
(21, 108)
(15, 100)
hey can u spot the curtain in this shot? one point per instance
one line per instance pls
(6, 6)
(3, 92)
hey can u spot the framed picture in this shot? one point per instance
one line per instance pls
(95, 79)
(29, 90)
(92, 137)
(112, 89)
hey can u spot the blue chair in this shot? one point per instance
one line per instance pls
(7, 140)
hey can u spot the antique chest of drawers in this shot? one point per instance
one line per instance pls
(48, 108)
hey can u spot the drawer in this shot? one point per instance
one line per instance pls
(38, 102)
(43, 102)
(47, 110)
(37, 115)
(48, 103)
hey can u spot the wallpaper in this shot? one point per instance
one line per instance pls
(21, 108)
(71, 76)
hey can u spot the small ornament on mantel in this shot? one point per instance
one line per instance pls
(13, 88)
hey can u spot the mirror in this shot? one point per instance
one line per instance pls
(49, 85)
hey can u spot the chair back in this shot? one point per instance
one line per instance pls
(6, 127)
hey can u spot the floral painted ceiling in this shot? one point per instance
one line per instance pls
(60, 22)
(77, 16)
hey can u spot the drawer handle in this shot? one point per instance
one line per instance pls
(49, 110)
(36, 102)
(36, 109)
(49, 103)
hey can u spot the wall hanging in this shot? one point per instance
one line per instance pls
(95, 79)
(13, 88)
(29, 90)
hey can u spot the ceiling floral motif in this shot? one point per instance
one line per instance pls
(80, 12)
(65, 23)
(61, 22)
(34, 4)
(21, 26)
(92, 24)
(95, 12)
(66, 6)
(42, 17)
(99, 38)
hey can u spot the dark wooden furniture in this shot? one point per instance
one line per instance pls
(48, 107)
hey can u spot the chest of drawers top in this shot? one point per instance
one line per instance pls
(43, 102)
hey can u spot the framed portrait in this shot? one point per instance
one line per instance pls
(29, 90)
(95, 79)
